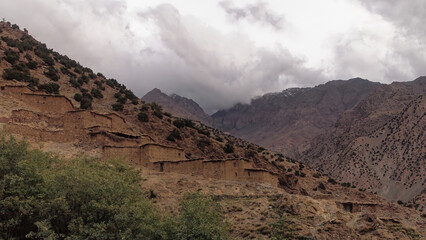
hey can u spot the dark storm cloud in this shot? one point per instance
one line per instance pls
(216, 81)
(257, 12)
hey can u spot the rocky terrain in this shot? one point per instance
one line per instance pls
(178, 106)
(380, 144)
(305, 204)
(286, 122)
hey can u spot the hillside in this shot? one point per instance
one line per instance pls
(379, 145)
(178, 106)
(287, 121)
(60, 106)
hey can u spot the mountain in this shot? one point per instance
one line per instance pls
(380, 144)
(287, 121)
(177, 105)
(62, 107)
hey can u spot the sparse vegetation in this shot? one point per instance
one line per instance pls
(52, 73)
(86, 102)
(174, 134)
(117, 107)
(78, 97)
(143, 117)
(229, 147)
(96, 93)
(50, 87)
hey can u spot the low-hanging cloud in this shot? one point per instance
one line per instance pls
(221, 70)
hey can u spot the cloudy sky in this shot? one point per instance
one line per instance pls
(223, 52)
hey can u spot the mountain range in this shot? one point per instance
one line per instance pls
(363, 133)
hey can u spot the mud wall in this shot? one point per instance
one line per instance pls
(47, 103)
(107, 138)
(15, 91)
(130, 154)
(117, 123)
(262, 176)
(37, 119)
(155, 152)
(86, 119)
(38, 134)
(226, 169)
(190, 167)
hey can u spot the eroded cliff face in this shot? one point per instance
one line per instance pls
(286, 122)
(380, 144)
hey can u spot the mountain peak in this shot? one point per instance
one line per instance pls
(177, 105)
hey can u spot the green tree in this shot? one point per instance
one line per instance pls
(201, 218)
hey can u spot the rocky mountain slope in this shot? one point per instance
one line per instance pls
(305, 204)
(177, 105)
(380, 144)
(286, 122)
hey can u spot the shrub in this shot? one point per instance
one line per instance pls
(200, 218)
(203, 131)
(83, 78)
(78, 97)
(50, 87)
(144, 108)
(189, 123)
(121, 99)
(332, 181)
(321, 186)
(20, 72)
(229, 147)
(203, 143)
(117, 107)
(74, 83)
(11, 56)
(179, 123)
(174, 135)
(143, 117)
(85, 103)
(52, 73)
(32, 64)
(96, 93)
(167, 114)
(112, 83)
